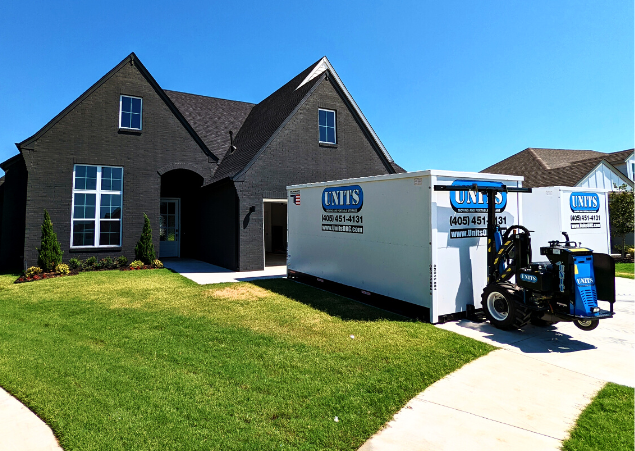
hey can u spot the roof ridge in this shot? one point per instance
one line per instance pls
(208, 97)
(537, 157)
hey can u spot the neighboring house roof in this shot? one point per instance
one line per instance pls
(212, 118)
(557, 167)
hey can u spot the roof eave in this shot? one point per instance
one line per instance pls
(349, 97)
(239, 175)
(130, 59)
(612, 168)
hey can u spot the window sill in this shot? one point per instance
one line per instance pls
(332, 146)
(74, 250)
(129, 131)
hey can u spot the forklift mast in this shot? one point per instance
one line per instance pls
(494, 236)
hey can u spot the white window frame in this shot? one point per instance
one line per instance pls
(121, 111)
(334, 125)
(97, 192)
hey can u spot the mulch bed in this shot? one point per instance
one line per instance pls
(74, 272)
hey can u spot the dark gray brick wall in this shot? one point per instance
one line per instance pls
(90, 134)
(294, 157)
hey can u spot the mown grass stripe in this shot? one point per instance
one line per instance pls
(149, 360)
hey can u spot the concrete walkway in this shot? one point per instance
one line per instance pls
(205, 273)
(525, 396)
(21, 429)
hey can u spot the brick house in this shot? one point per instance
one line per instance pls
(209, 173)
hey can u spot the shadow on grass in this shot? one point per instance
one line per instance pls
(330, 303)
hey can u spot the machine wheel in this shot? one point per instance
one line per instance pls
(503, 307)
(587, 325)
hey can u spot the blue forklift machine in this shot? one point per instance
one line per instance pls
(567, 287)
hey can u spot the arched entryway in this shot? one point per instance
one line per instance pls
(179, 222)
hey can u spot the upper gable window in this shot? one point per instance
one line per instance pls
(130, 112)
(327, 126)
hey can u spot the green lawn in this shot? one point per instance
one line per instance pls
(624, 270)
(606, 423)
(149, 360)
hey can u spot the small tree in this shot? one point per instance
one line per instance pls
(49, 253)
(144, 250)
(621, 214)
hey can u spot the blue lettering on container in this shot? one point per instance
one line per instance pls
(475, 202)
(584, 202)
(343, 199)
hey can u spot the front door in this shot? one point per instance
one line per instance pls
(169, 228)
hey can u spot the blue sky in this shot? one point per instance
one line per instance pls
(455, 85)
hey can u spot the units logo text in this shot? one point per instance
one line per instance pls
(473, 201)
(343, 199)
(584, 202)
(528, 278)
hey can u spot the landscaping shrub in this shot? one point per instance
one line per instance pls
(157, 263)
(122, 261)
(144, 250)
(136, 264)
(621, 216)
(90, 263)
(106, 263)
(33, 271)
(62, 269)
(49, 253)
(74, 263)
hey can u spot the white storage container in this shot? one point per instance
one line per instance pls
(395, 236)
(583, 213)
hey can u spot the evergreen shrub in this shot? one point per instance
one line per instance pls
(49, 253)
(144, 250)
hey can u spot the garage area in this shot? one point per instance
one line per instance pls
(275, 232)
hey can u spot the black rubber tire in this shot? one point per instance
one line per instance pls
(586, 325)
(507, 310)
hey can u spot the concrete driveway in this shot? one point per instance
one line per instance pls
(606, 353)
(525, 396)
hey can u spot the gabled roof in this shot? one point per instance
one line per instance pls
(261, 124)
(130, 59)
(212, 118)
(209, 119)
(557, 167)
(269, 117)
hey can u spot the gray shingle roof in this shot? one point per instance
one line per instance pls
(554, 167)
(211, 118)
(263, 121)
